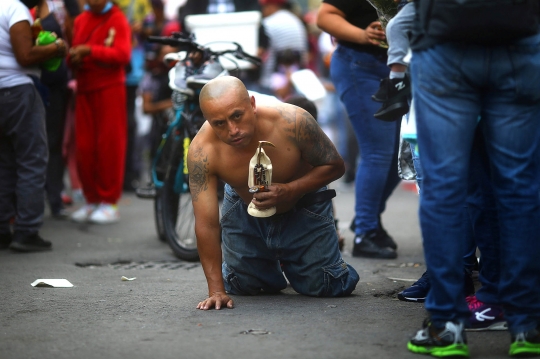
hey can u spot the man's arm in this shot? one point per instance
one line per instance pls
(332, 20)
(203, 188)
(317, 150)
(26, 53)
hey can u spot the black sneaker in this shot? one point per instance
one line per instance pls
(382, 239)
(526, 343)
(5, 240)
(396, 103)
(448, 341)
(29, 243)
(364, 246)
(382, 93)
(418, 291)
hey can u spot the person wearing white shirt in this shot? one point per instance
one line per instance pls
(23, 140)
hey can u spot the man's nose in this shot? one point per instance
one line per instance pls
(233, 128)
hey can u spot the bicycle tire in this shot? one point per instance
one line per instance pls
(178, 220)
(158, 217)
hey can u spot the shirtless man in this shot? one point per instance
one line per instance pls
(247, 255)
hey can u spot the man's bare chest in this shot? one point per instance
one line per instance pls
(286, 164)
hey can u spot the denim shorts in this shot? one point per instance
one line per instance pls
(301, 244)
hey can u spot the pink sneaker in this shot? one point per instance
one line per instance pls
(485, 316)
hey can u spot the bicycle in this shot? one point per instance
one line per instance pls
(173, 210)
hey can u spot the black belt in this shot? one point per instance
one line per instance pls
(314, 197)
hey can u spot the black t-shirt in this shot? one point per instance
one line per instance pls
(359, 13)
(72, 8)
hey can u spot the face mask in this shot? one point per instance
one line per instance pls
(107, 7)
(30, 3)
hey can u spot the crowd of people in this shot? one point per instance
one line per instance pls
(473, 99)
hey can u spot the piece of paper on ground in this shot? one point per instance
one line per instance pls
(52, 283)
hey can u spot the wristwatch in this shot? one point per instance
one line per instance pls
(60, 47)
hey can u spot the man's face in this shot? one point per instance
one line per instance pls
(96, 6)
(232, 118)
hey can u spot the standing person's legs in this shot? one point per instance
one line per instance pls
(23, 124)
(131, 175)
(376, 175)
(111, 122)
(55, 124)
(482, 211)
(447, 110)
(8, 171)
(86, 143)
(512, 133)
(486, 311)
(69, 148)
(8, 181)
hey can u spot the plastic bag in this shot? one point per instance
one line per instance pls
(46, 38)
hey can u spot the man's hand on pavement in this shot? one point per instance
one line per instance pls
(216, 300)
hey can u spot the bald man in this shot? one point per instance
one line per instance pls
(247, 255)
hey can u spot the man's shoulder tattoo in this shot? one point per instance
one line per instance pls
(318, 148)
(198, 172)
(290, 119)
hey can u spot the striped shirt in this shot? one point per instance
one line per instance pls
(285, 31)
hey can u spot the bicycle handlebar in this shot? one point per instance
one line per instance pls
(189, 44)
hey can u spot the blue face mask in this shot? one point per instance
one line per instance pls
(107, 7)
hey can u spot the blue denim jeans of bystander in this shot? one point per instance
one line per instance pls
(356, 76)
(453, 84)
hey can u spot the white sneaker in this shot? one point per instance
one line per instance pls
(105, 214)
(82, 214)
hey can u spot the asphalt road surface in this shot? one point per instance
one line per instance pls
(154, 315)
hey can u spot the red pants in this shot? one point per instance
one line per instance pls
(101, 137)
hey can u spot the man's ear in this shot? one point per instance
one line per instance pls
(253, 104)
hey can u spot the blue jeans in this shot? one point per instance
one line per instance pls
(482, 213)
(301, 243)
(453, 84)
(475, 217)
(356, 76)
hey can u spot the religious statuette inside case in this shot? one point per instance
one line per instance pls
(260, 177)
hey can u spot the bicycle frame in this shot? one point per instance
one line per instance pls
(184, 133)
(173, 210)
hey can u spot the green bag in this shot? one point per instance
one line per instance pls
(46, 38)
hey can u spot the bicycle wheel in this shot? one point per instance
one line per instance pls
(178, 220)
(158, 216)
